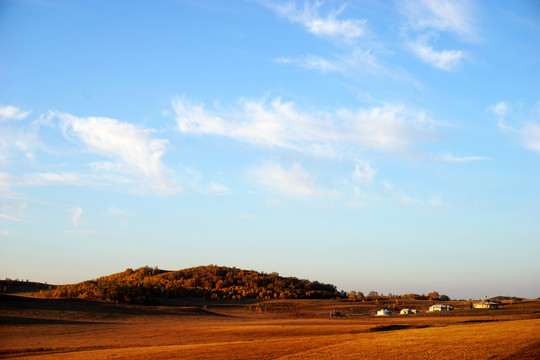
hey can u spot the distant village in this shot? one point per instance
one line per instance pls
(485, 304)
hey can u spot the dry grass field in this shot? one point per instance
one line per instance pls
(34, 328)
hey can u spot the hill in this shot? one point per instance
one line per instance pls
(10, 286)
(145, 285)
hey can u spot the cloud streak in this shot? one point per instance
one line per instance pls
(445, 60)
(441, 15)
(280, 124)
(427, 18)
(527, 131)
(9, 112)
(77, 212)
(313, 22)
(461, 159)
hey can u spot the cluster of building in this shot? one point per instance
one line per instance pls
(386, 312)
(440, 307)
(437, 307)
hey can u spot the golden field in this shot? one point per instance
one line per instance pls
(35, 328)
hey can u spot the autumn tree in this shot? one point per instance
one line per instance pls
(373, 295)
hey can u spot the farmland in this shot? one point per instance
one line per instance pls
(41, 328)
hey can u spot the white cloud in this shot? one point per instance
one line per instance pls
(329, 25)
(363, 172)
(352, 57)
(531, 136)
(500, 109)
(12, 113)
(427, 18)
(21, 139)
(528, 131)
(294, 183)
(445, 60)
(442, 15)
(280, 124)
(452, 158)
(132, 147)
(77, 212)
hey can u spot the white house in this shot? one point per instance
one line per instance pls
(414, 311)
(405, 311)
(486, 305)
(439, 307)
(384, 312)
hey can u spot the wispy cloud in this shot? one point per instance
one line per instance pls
(459, 159)
(352, 40)
(77, 212)
(531, 136)
(501, 109)
(9, 112)
(14, 137)
(527, 130)
(441, 15)
(293, 183)
(363, 172)
(308, 16)
(427, 18)
(445, 60)
(134, 151)
(280, 124)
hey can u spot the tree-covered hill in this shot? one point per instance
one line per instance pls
(211, 282)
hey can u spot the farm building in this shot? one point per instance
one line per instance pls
(439, 307)
(486, 305)
(384, 312)
(408, 311)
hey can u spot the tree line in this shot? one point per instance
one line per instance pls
(211, 282)
(374, 295)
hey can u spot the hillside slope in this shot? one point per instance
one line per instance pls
(140, 286)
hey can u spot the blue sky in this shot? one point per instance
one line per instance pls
(387, 146)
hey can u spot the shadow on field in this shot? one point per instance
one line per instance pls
(18, 320)
(396, 327)
(13, 303)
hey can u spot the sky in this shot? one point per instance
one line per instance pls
(377, 146)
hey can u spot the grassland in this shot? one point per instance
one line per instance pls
(35, 328)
